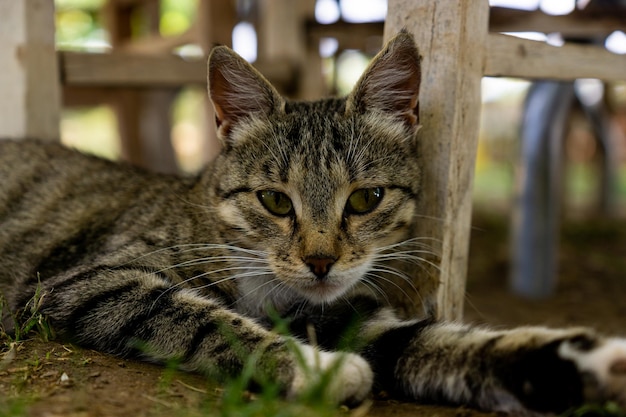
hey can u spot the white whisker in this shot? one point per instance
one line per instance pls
(405, 278)
(375, 288)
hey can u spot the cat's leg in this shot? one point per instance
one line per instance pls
(528, 368)
(128, 311)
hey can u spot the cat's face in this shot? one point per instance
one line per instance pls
(320, 189)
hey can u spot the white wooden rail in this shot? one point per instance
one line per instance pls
(29, 75)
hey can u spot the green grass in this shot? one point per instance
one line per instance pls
(609, 409)
(26, 320)
(268, 400)
(14, 407)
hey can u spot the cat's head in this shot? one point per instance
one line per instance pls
(319, 187)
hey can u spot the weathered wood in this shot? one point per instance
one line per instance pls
(143, 116)
(280, 33)
(450, 35)
(130, 70)
(215, 21)
(30, 99)
(282, 38)
(155, 127)
(312, 85)
(349, 35)
(501, 19)
(515, 57)
(214, 24)
(578, 23)
(157, 44)
(133, 70)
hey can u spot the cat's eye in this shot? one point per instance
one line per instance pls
(276, 202)
(364, 200)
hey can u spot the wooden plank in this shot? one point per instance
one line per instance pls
(215, 21)
(30, 99)
(349, 35)
(312, 84)
(279, 30)
(515, 57)
(282, 38)
(214, 25)
(87, 96)
(135, 110)
(132, 70)
(579, 23)
(449, 34)
(157, 44)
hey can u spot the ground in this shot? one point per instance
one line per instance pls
(49, 379)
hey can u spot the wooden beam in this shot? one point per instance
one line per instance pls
(515, 57)
(214, 25)
(215, 20)
(134, 70)
(129, 70)
(157, 44)
(349, 35)
(449, 34)
(579, 23)
(30, 99)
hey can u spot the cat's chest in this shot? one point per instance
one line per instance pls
(262, 297)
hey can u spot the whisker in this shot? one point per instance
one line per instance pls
(383, 278)
(215, 259)
(374, 288)
(412, 259)
(252, 271)
(258, 287)
(415, 242)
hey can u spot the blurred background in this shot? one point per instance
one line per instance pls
(81, 25)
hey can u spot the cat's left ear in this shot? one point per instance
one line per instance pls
(391, 82)
(238, 91)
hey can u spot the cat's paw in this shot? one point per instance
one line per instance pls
(603, 366)
(344, 377)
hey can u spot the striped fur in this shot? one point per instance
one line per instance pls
(193, 269)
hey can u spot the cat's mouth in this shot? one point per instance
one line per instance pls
(326, 289)
(322, 291)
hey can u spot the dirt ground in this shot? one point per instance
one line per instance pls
(52, 379)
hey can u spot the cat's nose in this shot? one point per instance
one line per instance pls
(320, 264)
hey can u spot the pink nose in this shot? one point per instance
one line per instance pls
(320, 265)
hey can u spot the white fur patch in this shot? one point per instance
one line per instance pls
(606, 363)
(351, 376)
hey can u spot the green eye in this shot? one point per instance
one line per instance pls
(364, 200)
(275, 202)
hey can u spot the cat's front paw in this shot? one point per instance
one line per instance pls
(603, 367)
(343, 377)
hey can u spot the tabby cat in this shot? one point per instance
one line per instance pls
(298, 218)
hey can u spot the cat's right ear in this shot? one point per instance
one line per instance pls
(390, 84)
(237, 91)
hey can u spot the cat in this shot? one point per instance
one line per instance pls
(299, 218)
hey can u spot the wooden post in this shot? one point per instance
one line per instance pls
(450, 35)
(282, 38)
(280, 30)
(312, 85)
(30, 99)
(143, 119)
(215, 22)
